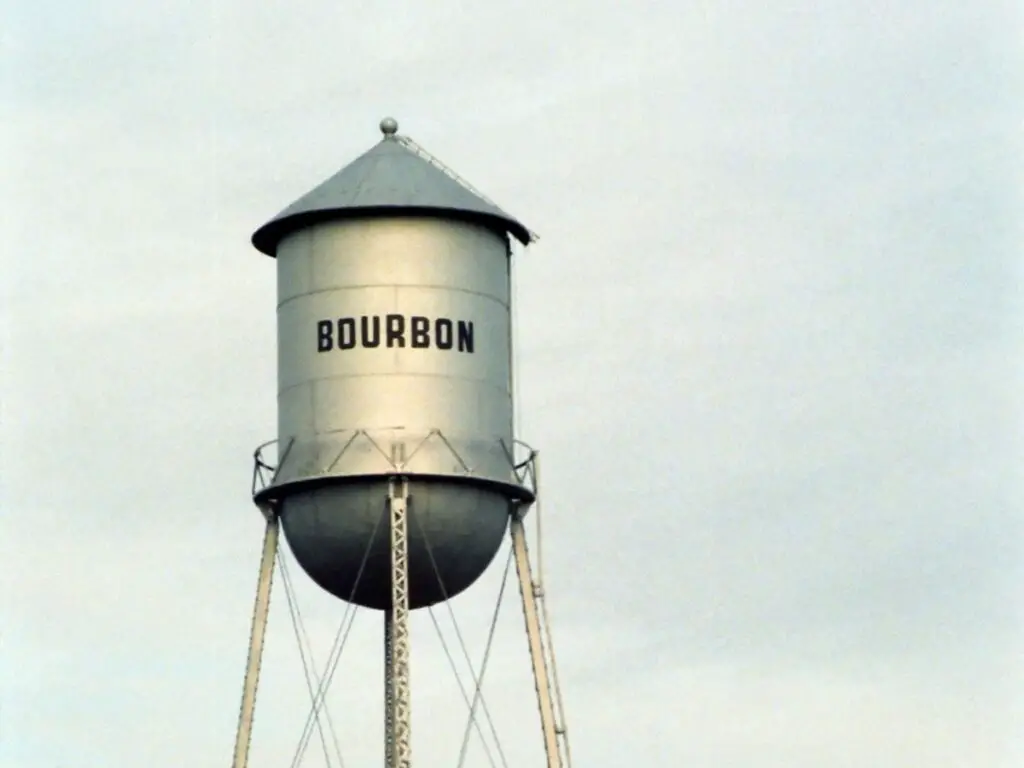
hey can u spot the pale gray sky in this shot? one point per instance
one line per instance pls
(770, 345)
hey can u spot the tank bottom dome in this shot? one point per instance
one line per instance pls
(330, 528)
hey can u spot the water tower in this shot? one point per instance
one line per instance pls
(396, 472)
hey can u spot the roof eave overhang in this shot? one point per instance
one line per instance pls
(267, 238)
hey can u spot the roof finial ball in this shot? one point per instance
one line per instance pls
(389, 127)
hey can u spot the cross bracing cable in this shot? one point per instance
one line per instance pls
(478, 692)
(340, 638)
(306, 655)
(462, 645)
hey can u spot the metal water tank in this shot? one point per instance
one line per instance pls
(394, 359)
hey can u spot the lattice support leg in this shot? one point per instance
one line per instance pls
(398, 656)
(389, 690)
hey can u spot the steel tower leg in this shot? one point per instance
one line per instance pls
(528, 590)
(256, 636)
(389, 690)
(398, 686)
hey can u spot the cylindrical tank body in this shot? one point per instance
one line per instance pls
(394, 359)
(393, 353)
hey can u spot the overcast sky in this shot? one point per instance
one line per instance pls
(770, 345)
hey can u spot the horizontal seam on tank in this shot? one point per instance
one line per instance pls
(480, 382)
(488, 296)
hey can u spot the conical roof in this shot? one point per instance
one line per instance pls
(391, 176)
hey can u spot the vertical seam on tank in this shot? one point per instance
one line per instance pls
(513, 405)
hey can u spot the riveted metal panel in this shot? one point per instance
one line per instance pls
(350, 402)
(434, 404)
